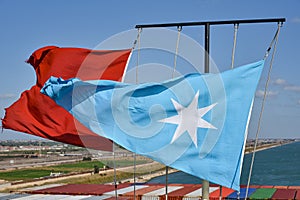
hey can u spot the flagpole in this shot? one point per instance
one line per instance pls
(115, 172)
(207, 24)
(167, 168)
(220, 196)
(205, 183)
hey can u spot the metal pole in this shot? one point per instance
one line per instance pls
(243, 21)
(134, 175)
(207, 24)
(115, 172)
(205, 183)
(206, 46)
(205, 190)
(167, 168)
(220, 197)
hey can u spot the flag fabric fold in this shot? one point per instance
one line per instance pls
(195, 123)
(39, 115)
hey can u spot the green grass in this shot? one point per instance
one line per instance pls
(123, 163)
(98, 179)
(38, 172)
(79, 166)
(32, 173)
(25, 174)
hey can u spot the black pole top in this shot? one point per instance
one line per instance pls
(243, 21)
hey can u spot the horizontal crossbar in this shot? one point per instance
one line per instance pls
(243, 21)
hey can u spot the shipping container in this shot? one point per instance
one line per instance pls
(284, 194)
(126, 191)
(297, 195)
(180, 193)
(263, 193)
(225, 193)
(157, 193)
(241, 194)
(80, 189)
(140, 192)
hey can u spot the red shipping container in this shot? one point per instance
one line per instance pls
(284, 194)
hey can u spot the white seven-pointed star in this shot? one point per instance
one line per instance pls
(189, 119)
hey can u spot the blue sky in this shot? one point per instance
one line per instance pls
(29, 25)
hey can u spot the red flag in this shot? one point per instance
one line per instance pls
(37, 114)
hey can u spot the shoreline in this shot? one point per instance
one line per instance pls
(267, 146)
(139, 178)
(146, 178)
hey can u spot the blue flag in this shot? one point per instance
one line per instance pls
(194, 123)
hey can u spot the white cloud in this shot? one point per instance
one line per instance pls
(296, 20)
(293, 88)
(260, 93)
(7, 96)
(280, 81)
(299, 102)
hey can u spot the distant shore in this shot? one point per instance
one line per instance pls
(147, 177)
(267, 146)
(155, 169)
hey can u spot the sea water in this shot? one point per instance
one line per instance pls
(275, 166)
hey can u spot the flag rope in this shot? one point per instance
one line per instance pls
(274, 41)
(137, 38)
(115, 172)
(236, 27)
(134, 175)
(179, 28)
(138, 41)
